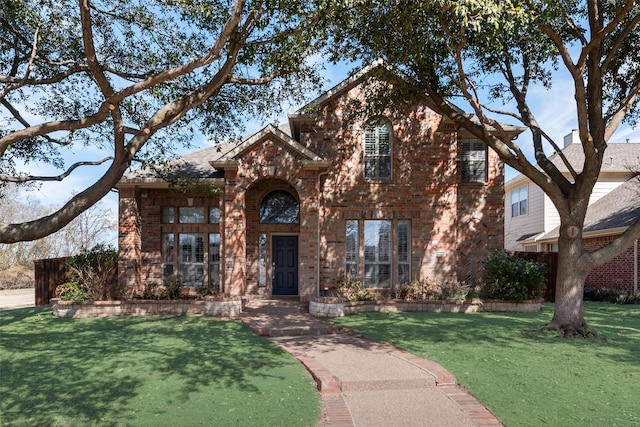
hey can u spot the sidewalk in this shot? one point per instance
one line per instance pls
(16, 298)
(364, 383)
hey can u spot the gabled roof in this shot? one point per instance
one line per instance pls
(194, 164)
(617, 210)
(618, 158)
(235, 152)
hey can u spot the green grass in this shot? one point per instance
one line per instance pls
(184, 370)
(528, 378)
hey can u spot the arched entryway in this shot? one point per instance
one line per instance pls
(273, 231)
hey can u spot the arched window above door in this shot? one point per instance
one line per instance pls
(279, 207)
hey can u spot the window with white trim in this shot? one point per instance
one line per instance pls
(191, 258)
(377, 150)
(214, 260)
(519, 201)
(473, 160)
(385, 251)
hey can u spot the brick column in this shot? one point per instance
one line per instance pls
(129, 240)
(235, 252)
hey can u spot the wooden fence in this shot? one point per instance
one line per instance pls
(550, 259)
(48, 274)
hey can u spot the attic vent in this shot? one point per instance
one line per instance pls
(447, 126)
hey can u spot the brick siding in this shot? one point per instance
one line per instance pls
(617, 273)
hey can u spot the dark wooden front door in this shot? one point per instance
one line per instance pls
(284, 272)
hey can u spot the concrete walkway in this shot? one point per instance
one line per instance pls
(364, 383)
(16, 298)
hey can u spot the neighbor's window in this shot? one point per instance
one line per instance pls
(519, 201)
(377, 254)
(474, 160)
(191, 214)
(279, 207)
(377, 150)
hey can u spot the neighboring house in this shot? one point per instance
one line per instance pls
(289, 210)
(532, 222)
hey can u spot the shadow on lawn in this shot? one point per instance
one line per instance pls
(94, 370)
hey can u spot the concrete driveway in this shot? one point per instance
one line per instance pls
(15, 298)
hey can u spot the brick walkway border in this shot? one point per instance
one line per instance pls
(336, 411)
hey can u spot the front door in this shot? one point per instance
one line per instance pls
(284, 274)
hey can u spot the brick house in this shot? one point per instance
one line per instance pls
(286, 211)
(532, 222)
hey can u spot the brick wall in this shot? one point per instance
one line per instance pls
(617, 273)
(454, 225)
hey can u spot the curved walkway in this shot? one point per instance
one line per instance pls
(363, 382)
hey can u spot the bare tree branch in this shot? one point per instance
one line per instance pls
(27, 178)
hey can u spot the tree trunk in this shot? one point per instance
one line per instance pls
(568, 316)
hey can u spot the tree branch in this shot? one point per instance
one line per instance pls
(27, 178)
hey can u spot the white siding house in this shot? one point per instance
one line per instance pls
(529, 227)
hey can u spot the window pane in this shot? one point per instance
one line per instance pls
(377, 253)
(279, 207)
(403, 241)
(214, 215)
(191, 269)
(377, 151)
(168, 253)
(262, 260)
(191, 215)
(168, 216)
(214, 247)
(473, 160)
(351, 248)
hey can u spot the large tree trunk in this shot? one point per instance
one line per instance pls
(568, 316)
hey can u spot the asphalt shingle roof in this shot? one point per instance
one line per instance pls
(619, 208)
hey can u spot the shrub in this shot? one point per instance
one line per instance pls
(16, 277)
(95, 271)
(611, 295)
(511, 278)
(454, 291)
(348, 287)
(210, 289)
(170, 289)
(72, 291)
(423, 289)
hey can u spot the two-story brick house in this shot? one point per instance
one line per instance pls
(286, 211)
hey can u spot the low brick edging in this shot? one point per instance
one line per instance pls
(228, 309)
(336, 411)
(335, 307)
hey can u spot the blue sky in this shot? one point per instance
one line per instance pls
(553, 108)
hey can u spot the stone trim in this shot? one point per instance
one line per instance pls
(337, 307)
(228, 309)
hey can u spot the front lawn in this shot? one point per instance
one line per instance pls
(185, 370)
(525, 376)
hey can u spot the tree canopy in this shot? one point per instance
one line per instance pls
(136, 79)
(489, 55)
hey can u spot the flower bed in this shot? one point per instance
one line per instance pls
(227, 308)
(337, 307)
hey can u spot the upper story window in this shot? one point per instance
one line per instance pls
(377, 150)
(519, 201)
(474, 160)
(279, 207)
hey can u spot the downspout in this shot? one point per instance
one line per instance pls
(635, 267)
(320, 174)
